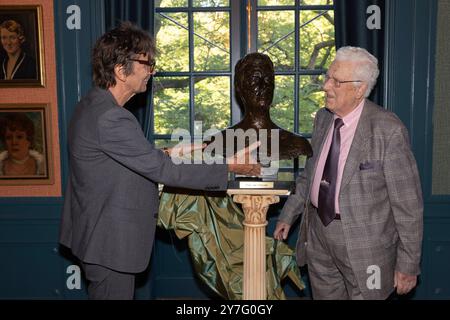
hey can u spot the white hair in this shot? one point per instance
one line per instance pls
(367, 69)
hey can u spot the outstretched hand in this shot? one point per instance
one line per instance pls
(243, 162)
(181, 150)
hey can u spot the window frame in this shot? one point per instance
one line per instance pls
(235, 54)
(239, 47)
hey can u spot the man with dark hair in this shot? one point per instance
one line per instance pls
(111, 201)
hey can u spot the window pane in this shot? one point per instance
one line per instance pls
(171, 104)
(211, 3)
(316, 2)
(172, 41)
(302, 159)
(212, 102)
(282, 110)
(276, 2)
(317, 48)
(286, 163)
(276, 37)
(211, 41)
(161, 143)
(170, 3)
(312, 98)
(285, 176)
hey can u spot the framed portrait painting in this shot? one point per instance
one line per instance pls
(21, 50)
(25, 149)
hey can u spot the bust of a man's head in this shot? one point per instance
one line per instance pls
(255, 81)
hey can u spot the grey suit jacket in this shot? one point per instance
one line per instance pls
(380, 199)
(111, 201)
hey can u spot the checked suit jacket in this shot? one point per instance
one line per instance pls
(380, 199)
(111, 201)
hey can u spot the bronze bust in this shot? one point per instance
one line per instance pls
(254, 83)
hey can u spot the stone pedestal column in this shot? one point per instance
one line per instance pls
(255, 208)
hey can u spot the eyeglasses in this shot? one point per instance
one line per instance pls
(149, 63)
(337, 83)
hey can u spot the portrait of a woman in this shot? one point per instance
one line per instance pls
(17, 134)
(16, 63)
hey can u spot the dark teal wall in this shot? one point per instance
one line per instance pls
(410, 94)
(32, 265)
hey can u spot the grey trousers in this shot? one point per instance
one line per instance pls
(329, 268)
(107, 284)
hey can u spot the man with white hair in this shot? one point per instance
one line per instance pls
(360, 195)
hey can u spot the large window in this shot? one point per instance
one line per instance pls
(200, 41)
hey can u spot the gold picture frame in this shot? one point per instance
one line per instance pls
(25, 144)
(22, 45)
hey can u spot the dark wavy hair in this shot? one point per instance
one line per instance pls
(117, 47)
(17, 121)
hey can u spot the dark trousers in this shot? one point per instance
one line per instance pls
(107, 284)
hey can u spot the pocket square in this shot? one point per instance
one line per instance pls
(370, 165)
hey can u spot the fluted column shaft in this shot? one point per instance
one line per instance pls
(254, 279)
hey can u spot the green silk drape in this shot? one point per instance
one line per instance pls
(212, 224)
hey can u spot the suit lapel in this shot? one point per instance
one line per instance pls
(358, 147)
